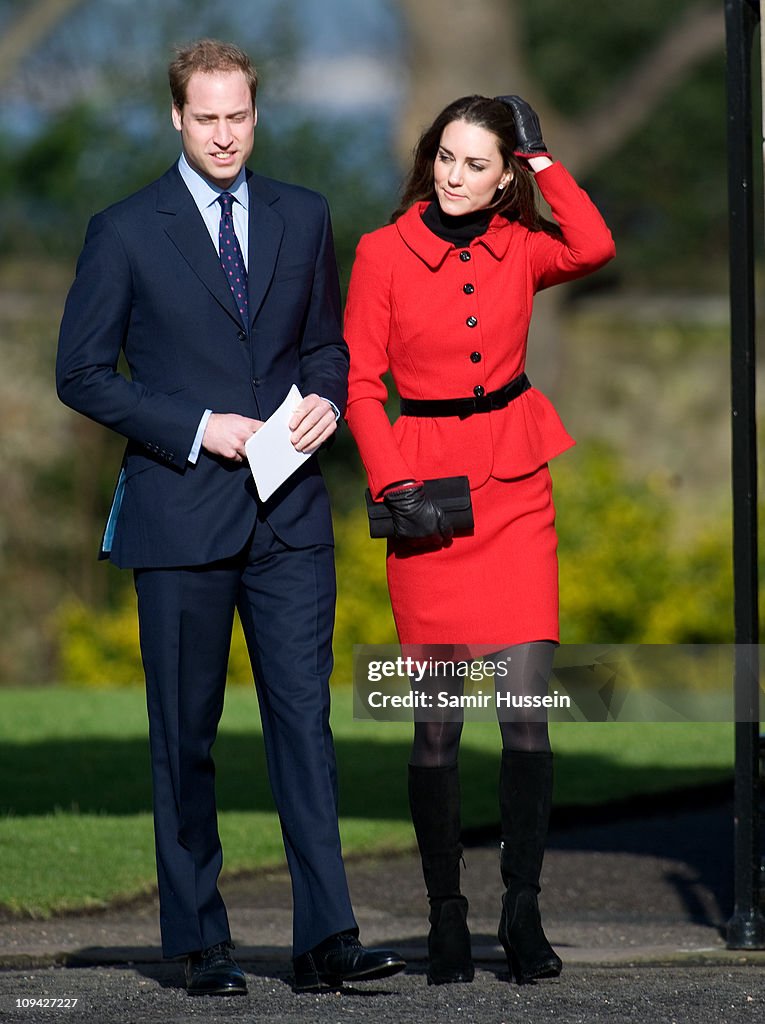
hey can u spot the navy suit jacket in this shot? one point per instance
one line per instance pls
(149, 283)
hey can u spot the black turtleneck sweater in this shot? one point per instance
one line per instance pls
(457, 230)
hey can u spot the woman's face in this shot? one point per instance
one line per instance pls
(468, 168)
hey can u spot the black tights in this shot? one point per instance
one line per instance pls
(436, 743)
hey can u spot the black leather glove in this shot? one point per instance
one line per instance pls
(415, 517)
(529, 141)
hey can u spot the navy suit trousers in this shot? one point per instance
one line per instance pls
(286, 599)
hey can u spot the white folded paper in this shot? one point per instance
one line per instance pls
(272, 456)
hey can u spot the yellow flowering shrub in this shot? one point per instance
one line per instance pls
(625, 577)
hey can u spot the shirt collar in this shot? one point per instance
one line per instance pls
(205, 193)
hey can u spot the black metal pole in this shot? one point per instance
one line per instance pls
(746, 928)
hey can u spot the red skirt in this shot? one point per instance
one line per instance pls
(495, 587)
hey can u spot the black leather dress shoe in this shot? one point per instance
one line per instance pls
(342, 958)
(214, 972)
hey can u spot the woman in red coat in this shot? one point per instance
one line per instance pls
(442, 298)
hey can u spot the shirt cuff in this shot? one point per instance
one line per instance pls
(335, 409)
(197, 445)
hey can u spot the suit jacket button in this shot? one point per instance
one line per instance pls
(242, 336)
(475, 357)
(478, 390)
(256, 382)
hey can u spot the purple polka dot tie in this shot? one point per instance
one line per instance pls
(231, 257)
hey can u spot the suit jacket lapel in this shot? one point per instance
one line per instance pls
(265, 238)
(189, 234)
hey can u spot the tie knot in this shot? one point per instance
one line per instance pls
(226, 200)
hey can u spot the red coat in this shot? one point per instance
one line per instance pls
(410, 298)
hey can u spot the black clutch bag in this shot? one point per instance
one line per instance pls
(450, 493)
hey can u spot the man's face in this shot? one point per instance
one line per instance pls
(217, 125)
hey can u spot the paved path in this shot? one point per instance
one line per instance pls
(636, 907)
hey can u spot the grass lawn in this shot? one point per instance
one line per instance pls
(75, 790)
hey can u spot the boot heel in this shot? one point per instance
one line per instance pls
(549, 969)
(529, 954)
(513, 966)
(449, 956)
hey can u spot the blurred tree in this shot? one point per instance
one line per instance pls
(34, 21)
(501, 46)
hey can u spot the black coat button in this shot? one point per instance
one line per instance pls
(242, 336)
(465, 256)
(478, 390)
(472, 321)
(468, 289)
(475, 357)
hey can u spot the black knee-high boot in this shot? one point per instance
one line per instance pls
(525, 798)
(434, 799)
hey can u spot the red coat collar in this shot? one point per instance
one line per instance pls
(432, 250)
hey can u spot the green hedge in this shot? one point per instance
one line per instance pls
(627, 572)
(626, 577)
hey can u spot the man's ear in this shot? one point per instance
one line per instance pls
(177, 117)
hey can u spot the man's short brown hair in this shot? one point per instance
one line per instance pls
(208, 56)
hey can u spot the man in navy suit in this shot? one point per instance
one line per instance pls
(211, 354)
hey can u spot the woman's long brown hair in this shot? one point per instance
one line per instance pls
(517, 201)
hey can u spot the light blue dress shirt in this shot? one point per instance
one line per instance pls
(205, 195)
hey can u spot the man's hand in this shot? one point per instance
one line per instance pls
(226, 434)
(312, 423)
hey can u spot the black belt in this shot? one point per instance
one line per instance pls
(463, 407)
